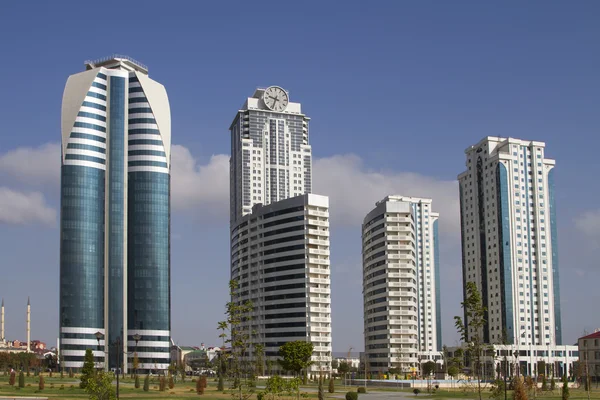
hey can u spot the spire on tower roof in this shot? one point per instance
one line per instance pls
(2, 302)
(28, 303)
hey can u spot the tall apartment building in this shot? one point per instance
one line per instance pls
(279, 231)
(270, 156)
(509, 240)
(280, 258)
(115, 215)
(401, 287)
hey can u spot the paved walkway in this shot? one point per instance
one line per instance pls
(379, 396)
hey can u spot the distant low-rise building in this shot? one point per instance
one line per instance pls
(589, 355)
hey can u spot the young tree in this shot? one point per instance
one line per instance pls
(519, 392)
(331, 385)
(470, 329)
(296, 356)
(552, 384)
(137, 382)
(259, 351)
(321, 394)
(41, 385)
(239, 338)
(565, 388)
(21, 379)
(162, 383)
(12, 378)
(135, 363)
(544, 383)
(199, 385)
(171, 382)
(99, 386)
(147, 383)
(88, 370)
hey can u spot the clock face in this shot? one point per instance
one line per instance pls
(276, 98)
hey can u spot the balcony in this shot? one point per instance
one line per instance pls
(326, 320)
(320, 300)
(321, 261)
(320, 310)
(319, 290)
(318, 213)
(320, 339)
(316, 222)
(318, 232)
(320, 329)
(318, 242)
(318, 251)
(319, 280)
(399, 219)
(320, 271)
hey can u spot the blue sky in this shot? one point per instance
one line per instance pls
(396, 92)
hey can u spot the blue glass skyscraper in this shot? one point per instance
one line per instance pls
(115, 216)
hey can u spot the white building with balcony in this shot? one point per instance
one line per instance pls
(280, 258)
(400, 283)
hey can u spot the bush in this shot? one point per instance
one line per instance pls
(220, 385)
(321, 392)
(137, 382)
(62, 387)
(62, 374)
(351, 396)
(21, 380)
(416, 391)
(331, 386)
(544, 383)
(203, 382)
(162, 384)
(71, 374)
(519, 392)
(147, 383)
(11, 379)
(361, 389)
(171, 382)
(565, 389)
(552, 384)
(41, 384)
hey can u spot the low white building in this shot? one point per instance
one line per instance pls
(534, 360)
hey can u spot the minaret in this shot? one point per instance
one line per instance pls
(2, 323)
(28, 326)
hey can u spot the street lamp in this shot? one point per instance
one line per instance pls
(117, 344)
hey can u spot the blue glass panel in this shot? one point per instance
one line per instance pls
(136, 89)
(147, 164)
(144, 130)
(82, 157)
(138, 100)
(86, 147)
(133, 142)
(101, 75)
(149, 298)
(99, 85)
(140, 110)
(90, 115)
(89, 126)
(146, 153)
(555, 275)
(96, 95)
(82, 247)
(79, 135)
(506, 284)
(438, 298)
(116, 211)
(94, 105)
(142, 121)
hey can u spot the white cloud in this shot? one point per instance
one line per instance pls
(24, 208)
(589, 223)
(204, 188)
(33, 166)
(353, 190)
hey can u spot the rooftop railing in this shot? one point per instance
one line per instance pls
(115, 56)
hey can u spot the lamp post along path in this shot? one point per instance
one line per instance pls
(119, 350)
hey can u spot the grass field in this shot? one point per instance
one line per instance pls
(68, 389)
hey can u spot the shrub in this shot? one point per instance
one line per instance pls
(11, 379)
(416, 391)
(221, 384)
(351, 396)
(544, 383)
(203, 381)
(50, 374)
(552, 384)
(565, 389)
(162, 384)
(171, 382)
(519, 392)
(62, 387)
(137, 382)
(41, 384)
(62, 374)
(147, 383)
(361, 389)
(331, 386)
(321, 392)
(71, 374)
(21, 379)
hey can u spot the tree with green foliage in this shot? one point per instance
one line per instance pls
(41, 384)
(544, 383)
(12, 378)
(71, 374)
(453, 371)
(135, 363)
(470, 330)
(239, 369)
(331, 385)
(497, 390)
(552, 385)
(259, 356)
(21, 379)
(351, 396)
(162, 383)
(565, 388)
(321, 392)
(296, 356)
(171, 382)
(88, 370)
(99, 386)
(221, 384)
(137, 382)
(199, 386)
(147, 383)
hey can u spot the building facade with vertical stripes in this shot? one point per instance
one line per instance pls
(401, 288)
(509, 240)
(115, 216)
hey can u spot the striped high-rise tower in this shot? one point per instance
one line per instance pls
(115, 216)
